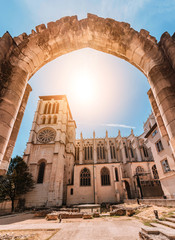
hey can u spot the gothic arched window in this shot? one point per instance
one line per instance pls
(131, 151)
(53, 108)
(112, 151)
(85, 177)
(57, 108)
(55, 119)
(105, 177)
(41, 172)
(139, 169)
(145, 152)
(116, 175)
(155, 173)
(44, 120)
(88, 153)
(49, 120)
(100, 151)
(49, 108)
(77, 149)
(126, 151)
(45, 108)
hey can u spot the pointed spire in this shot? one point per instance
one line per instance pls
(132, 132)
(119, 134)
(93, 134)
(81, 135)
(106, 134)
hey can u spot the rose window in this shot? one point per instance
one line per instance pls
(46, 136)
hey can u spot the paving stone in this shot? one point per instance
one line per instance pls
(150, 230)
(165, 230)
(167, 223)
(170, 219)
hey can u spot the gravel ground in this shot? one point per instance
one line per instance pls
(103, 228)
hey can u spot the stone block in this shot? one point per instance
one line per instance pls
(96, 214)
(42, 213)
(118, 212)
(144, 33)
(87, 216)
(130, 212)
(52, 216)
(40, 28)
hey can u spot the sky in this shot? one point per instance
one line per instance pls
(104, 92)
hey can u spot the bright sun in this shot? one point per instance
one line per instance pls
(84, 86)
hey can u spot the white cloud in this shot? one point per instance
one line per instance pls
(117, 125)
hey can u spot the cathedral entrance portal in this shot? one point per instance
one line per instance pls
(128, 189)
(22, 56)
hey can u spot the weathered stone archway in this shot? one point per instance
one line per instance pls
(22, 56)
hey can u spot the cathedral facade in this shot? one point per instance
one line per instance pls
(96, 170)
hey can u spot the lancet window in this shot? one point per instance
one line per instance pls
(88, 155)
(55, 119)
(45, 108)
(57, 108)
(85, 177)
(49, 108)
(44, 120)
(100, 151)
(131, 152)
(155, 173)
(126, 151)
(112, 151)
(145, 152)
(53, 108)
(116, 175)
(49, 120)
(105, 177)
(41, 172)
(77, 150)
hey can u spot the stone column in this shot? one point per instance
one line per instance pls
(81, 149)
(161, 78)
(157, 115)
(7, 156)
(95, 185)
(9, 106)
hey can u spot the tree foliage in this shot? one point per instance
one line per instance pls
(16, 182)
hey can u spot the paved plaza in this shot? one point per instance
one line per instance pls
(105, 228)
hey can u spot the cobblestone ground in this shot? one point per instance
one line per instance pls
(107, 228)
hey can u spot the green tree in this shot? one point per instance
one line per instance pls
(16, 182)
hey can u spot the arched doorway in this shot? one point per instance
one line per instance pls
(21, 57)
(128, 189)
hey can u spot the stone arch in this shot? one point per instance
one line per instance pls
(21, 57)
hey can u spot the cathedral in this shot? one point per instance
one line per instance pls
(70, 171)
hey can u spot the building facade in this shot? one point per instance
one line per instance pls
(50, 151)
(96, 170)
(163, 156)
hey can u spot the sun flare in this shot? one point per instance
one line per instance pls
(84, 86)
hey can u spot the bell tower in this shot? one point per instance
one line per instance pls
(50, 151)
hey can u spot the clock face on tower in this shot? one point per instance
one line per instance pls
(46, 135)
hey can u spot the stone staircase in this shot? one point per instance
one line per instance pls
(160, 230)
